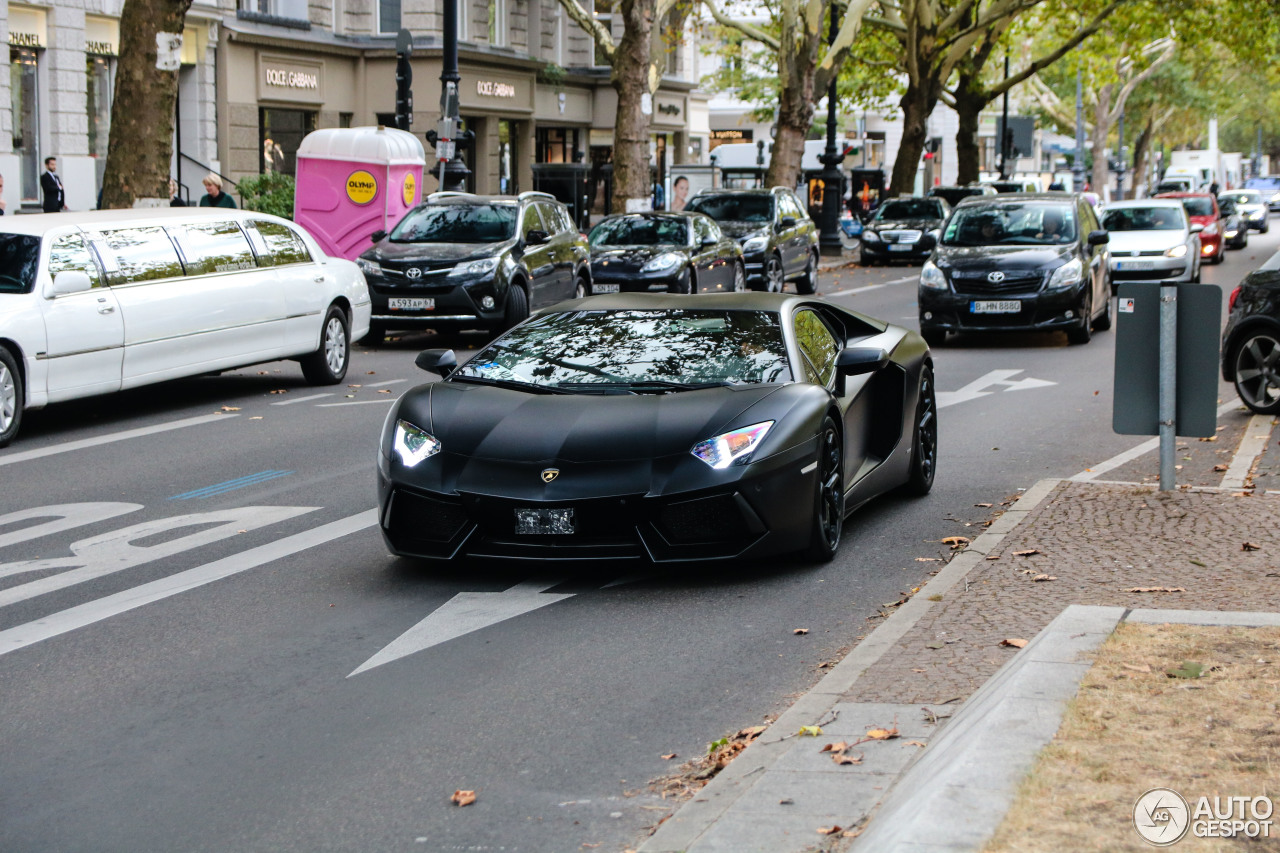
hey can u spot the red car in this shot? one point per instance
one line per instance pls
(1202, 209)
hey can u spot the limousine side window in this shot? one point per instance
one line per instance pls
(69, 252)
(212, 247)
(19, 260)
(139, 254)
(282, 245)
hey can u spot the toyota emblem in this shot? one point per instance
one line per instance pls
(413, 272)
(995, 277)
(549, 474)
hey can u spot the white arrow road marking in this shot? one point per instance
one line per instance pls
(977, 388)
(464, 613)
(21, 636)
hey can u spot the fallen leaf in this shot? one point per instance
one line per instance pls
(839, 746)
(1136, 667)
(852, 833)
(984, 505)
(956, 542)
(370, 372)
(928, 559)
(993, 556)
(786, 801)
(752, 731)
(1015, 642)
(1210, 438)
(230, 408)
(384, 390)
(1156, 589)
(463, 798)
(843, 758)
(811, 731)
(883, 734)
(800, 631)
(933, 645)
(921, 670)
(588, 845)
(915, 743)
(1249, 546)
(1026, 553)
(1196, 562)
(830, 830)
(669, 756)
(355, 386)
(264, 372)
(1219, 468)
(1044, 578)
(1189, 669)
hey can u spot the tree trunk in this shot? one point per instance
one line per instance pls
(141, 142)
(1141, 148)
(1101, 127)
(917, 103)
(795, 105)
(969, 105)
(632, 186)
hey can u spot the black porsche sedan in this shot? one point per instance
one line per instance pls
(669, 252)
(1022, 261)
(659, 427)
(903, 229)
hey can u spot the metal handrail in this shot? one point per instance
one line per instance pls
(207, 168)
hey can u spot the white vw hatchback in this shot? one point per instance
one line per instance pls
(92, 303)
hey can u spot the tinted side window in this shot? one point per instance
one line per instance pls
(702, 230)
(532, 221)
(139, 254)
(213, 247)
(69, 252)
(282, 245)
(818, 346)
(551, 218)
(790, 207)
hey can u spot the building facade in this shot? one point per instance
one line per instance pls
(258, 75)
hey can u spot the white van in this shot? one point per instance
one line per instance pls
(96, 302)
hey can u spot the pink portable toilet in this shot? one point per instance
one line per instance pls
(352, 181)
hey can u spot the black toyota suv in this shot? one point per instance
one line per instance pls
(779, 241)
(463, 261)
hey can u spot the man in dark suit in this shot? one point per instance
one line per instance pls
(51, 187)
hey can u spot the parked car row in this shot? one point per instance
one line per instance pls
(465, 261)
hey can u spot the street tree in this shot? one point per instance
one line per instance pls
(141, 140)
(975, 88)
(805, 66)
(635, 61)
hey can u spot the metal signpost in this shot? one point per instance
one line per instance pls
(1166, 372)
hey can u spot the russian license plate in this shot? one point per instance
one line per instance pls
(420, 304)
(544, 521)
(1004, 306)
(901, 247)
(1134, 265)
(605, 288)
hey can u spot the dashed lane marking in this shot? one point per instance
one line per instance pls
(81, 444)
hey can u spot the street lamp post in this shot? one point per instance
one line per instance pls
(1077, 167)
(829, 241)
(1120, 158)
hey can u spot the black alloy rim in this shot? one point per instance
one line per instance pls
(1257, 379)
(832, 495)
(927, 428)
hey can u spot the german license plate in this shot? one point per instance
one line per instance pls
(532, 522)
(605, 288)
(1134, 265)
(901, 247)
(420, 304)
(1004, 306)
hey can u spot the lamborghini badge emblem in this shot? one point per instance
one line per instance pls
(549, 474)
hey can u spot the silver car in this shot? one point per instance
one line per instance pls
(1152, 240)
(1252, 207)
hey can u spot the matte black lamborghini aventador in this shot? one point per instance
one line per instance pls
(662, 427)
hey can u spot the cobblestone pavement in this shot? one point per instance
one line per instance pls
(1097, 541)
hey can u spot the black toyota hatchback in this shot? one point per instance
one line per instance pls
(903, 229)
(1025, 261)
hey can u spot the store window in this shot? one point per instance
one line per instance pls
(280, 135)
(498, 22)
(26, 112)
(291, 9)
(388, 16)
(556, 144)
(98, 90)
(508, 157)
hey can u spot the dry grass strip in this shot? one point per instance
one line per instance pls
(1133, 727)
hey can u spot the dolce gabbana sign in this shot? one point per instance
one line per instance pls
(292, 80)
(494, 89)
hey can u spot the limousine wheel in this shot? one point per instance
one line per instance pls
(11, 397)
(328, 364)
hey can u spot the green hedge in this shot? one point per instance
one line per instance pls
(269, 193)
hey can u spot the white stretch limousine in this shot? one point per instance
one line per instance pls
(96, 302)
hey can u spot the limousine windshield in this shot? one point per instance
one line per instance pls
(19, 260)
(457, 223)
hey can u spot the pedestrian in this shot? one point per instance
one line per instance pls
(1213, 188)
(213, 194)
(55, 199)
(175, 200)
(679, 193)
(1, 195)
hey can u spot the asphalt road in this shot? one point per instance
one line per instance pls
(204, 644)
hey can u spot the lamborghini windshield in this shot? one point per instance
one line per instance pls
(636, 351)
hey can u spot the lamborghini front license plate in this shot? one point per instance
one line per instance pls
(544, 521)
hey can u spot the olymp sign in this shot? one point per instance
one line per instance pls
(362, 187)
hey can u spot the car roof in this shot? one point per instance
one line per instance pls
(40, 223)
(1167, 202)
(1003, 199)
(453, 197)
(1184, 195)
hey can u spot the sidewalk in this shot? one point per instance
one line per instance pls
(1081, 541)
